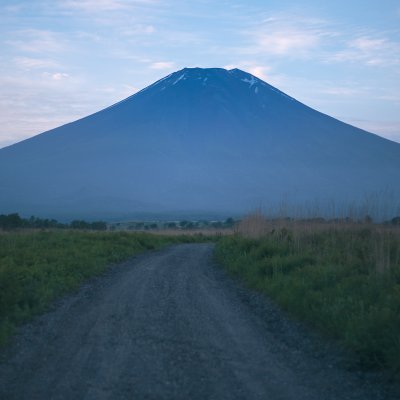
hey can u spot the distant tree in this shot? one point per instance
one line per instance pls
(94, 226)
(191, 225)
(79, 224)
(11, 221)
(368, 219)
(395, 221)
(183, 224)
(98, 226)
(229, 222)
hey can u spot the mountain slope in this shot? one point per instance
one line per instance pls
(204, 140)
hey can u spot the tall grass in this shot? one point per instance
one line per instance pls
(341, 277)
(36, 267)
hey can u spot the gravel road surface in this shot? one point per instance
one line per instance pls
(170, 324)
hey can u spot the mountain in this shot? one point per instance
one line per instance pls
(201, 141)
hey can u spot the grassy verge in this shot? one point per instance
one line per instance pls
(344, 282)
(37, 267)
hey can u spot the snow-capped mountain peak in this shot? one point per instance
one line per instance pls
(198, 140)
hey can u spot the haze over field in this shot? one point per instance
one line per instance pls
(199, 141)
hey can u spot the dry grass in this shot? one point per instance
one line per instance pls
(378, 238)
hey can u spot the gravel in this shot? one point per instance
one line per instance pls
(170, 324)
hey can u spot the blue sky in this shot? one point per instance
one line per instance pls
(63, 59)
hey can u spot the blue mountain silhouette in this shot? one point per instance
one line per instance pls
(202, 141)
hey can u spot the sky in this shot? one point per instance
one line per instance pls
(61, 60)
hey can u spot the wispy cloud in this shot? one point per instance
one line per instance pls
(38, 41)
(260, 71)
(56, 76)
(103, 6)
(138, 29)
(12, 8)
(370, 51)
(287, 42)
(95, 5)
(341, 91)
(31, 106)
(368, 44)
(287, 35)
(162, 65)
(29, 63)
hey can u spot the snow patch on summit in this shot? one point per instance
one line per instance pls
(253, 80)
(180, 78)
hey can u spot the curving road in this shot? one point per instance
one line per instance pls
(170, 325)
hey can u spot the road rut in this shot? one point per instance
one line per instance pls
(170, 324)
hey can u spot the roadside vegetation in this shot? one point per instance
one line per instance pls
(36, 267)
(341, 277)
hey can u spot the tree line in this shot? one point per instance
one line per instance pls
(15, 221)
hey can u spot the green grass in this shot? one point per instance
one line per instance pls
(345, 283)
(38, 267)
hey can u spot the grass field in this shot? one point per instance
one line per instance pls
(341, 278)
(37, 267)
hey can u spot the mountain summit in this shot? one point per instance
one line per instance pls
(199, 140)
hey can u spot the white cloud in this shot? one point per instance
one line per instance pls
(29, 63)
(162, 65)
(290, 36)
(31, 106)
(38, 41)
(262, 71)
(15, 8)
(287, 42)
(58, 76)
(367, 44)
(138, 30)
(127, 90)
(341, 91)
(370, 51)
(287, 35)
(95, 6)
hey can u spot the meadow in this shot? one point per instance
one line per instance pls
(339, 277)
(36, 267)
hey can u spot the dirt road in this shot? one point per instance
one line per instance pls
(170, 325)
